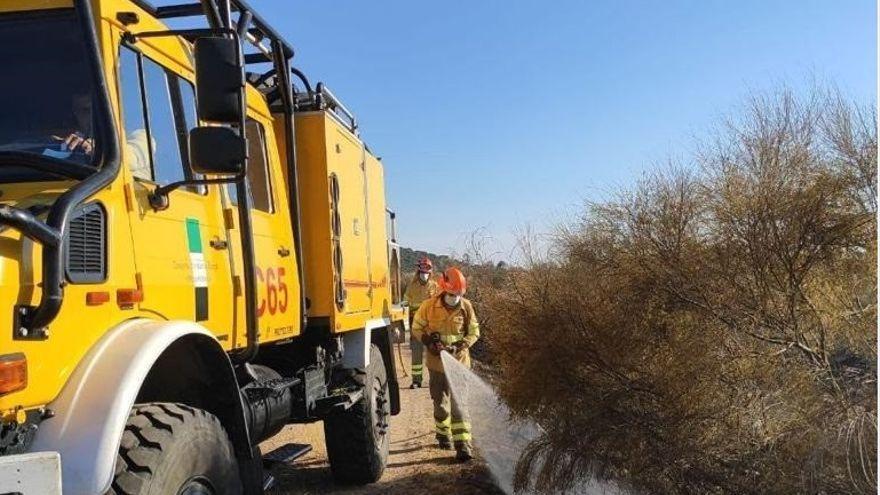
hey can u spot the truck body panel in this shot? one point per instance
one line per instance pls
(347, 271)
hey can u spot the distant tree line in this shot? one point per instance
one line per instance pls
(409, 257)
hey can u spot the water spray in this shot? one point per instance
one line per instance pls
(499, 438)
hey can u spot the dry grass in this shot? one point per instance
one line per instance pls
(712, 330)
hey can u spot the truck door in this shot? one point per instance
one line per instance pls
(352, 209)
(277, 285)
(181, 252)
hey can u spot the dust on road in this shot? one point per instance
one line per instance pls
(415, 464)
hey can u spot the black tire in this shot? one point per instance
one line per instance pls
(357, 440)
(171, 448)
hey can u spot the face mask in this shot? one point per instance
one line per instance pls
(451, 300)
(423, 277)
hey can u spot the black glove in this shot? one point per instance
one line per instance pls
(433, 343)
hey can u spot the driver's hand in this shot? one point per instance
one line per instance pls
(76, 142)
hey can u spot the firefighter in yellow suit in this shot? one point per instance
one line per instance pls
(447, 322)
(421, 288)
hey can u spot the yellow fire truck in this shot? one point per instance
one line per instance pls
(194, 252)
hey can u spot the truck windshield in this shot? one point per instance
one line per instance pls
(46, 96)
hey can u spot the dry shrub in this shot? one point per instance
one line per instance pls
(712, 330)
(484, 276)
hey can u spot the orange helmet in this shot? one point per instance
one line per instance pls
(453, 282)
(424, 265)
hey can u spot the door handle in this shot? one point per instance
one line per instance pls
(218, 243)
(283, 252)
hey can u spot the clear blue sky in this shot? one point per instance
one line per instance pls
(498, 114)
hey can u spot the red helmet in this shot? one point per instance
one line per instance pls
(424, 265)
(453, 282)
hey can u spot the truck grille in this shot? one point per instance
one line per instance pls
(86, 245)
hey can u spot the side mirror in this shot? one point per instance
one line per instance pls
(216, 150)
(220, 83)
(219, 80)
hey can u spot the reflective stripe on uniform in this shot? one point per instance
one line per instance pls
(461, 425)
(461, 437)
(461, 431)
(443, 427)
(417, 369)
(450, 338)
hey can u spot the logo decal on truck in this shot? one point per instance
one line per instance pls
(199, 269)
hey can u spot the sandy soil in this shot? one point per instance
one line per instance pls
(415, 465)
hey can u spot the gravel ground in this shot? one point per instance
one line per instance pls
(415, 465)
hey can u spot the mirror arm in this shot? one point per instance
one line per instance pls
(159, 197)
(186, 33)
(244, 22)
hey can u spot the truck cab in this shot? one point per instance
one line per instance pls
(192, 238)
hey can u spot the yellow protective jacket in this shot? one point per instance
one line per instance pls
(453, 325)
(417, 292)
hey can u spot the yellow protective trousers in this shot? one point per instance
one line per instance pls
(418, 352)
(451, 419)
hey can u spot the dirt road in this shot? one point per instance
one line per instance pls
(415, 465)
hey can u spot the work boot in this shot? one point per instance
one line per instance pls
(463, 452)
(416, 384)
(443, 442)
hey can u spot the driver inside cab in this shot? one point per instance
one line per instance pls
(80, 138)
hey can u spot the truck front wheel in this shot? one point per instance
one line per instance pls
(177, 449)
(357, 440)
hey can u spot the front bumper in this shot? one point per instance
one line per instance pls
(36, 473)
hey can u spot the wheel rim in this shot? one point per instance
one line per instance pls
(380, 411)
(196, 486)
